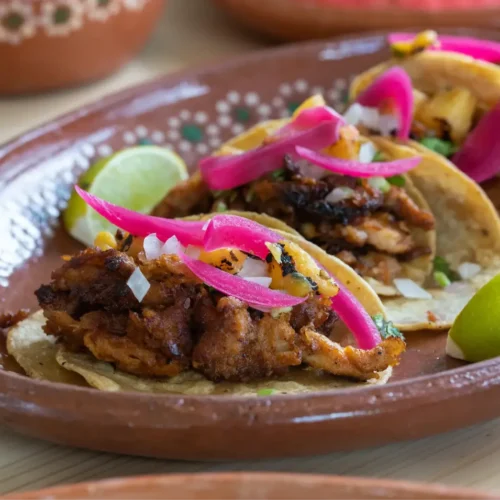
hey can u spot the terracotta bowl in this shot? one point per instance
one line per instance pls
(250, 486)
(307, 19)
(193, 113)
(49, 44)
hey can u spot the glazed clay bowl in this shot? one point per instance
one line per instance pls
(193, 113)
(50, 44)
(292, 20)
(250, 486)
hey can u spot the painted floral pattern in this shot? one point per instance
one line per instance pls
(21, 20)
(194, 134)
(17, 21)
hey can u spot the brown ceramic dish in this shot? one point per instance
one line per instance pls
(192, 113)
(292, 20)
(250, 486)
(48, 45)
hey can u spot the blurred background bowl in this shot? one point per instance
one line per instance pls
(290, 20)
(50, 44)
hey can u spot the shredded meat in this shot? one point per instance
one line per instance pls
(182, 324)
(368, 222)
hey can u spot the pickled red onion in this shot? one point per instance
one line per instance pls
(309, 118)
(231, 231)
(228, 172)
(355, 317)
(256, 296)
(484, 50)
(355, 168)
(188, 232)
(479, 156)
(392, 88)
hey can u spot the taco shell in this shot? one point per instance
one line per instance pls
(467, 230)
(433, 71)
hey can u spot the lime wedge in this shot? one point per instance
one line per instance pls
(475, 334)
(137, 178)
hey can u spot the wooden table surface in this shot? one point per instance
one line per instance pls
(192, 32)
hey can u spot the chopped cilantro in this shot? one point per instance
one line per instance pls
(396, 180)
(379, 156)
(440, 146)
(265, 392)
(442, 266)
(221, 207)
(249, 195)
(145, 142)
(386, 328)
(279, 175)
(441, 279)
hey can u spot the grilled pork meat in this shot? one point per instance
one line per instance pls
(369, 222)
(181, 324)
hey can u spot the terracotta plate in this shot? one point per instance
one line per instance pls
(193, 113)
(250, 486)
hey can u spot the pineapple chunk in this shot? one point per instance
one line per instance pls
(348, 144)
(420, 42)
(226, 259)
(450, 110)
(297, 273)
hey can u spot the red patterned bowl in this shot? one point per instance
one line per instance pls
(305, 19)
(49, 44)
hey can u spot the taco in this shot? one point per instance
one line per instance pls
(455, 97)
(216, 306)
(467, 241)
(382, 228)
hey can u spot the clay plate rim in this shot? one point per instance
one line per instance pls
(19, 391)
(257, 485)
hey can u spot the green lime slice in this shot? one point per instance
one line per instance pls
(475, 334)
(137, 178)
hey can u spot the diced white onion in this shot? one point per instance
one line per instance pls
(409, 289)
(353, 115)
(370, 118)
(387, 124)
(193, 252)
(172, 246)
(379, 183)
(339, 194)
(468, 270)
(453, 350)
(138, 284)
(260, 280)
(367, 152)
(310, 171)
(152, 247)
(253, 268)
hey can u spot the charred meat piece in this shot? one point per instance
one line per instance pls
(366, 221)
(322, 353)
(236, 347)
(182, 324)
(187, 198)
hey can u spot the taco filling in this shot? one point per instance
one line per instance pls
(444, 94)
(156, 308)
(369, 222)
